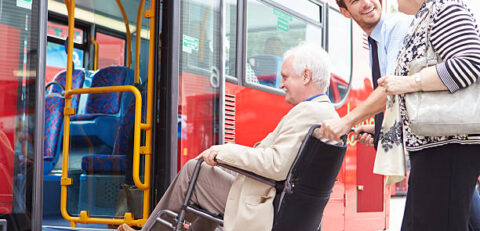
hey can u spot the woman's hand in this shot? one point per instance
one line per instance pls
(364, 134)
(394, 85)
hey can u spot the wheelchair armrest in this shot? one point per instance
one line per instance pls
(252, 175)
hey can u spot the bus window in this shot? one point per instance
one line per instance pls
(57, 60)
(230, 48)
(111, 50)
(340, 51)
(306, 8)
(56, 55)
(198, 81)
(61, 31)
(271, 32)
(199, 37)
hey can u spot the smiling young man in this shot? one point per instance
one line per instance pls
(246, 203)
(385, 35)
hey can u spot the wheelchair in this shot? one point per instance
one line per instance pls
(300, 198)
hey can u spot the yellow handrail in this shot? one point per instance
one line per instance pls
(136, 159)
(68, 111)
(67, 4)
(127, 31)
(95, 53)
(148, 126)
(65, 181)
(138, 38)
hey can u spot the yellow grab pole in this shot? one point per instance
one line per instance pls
(84, 216)
(148, 138)
(67, 4)
(65, 181)
(151, 65)
(127, 31)
(148, 147)
(138, 40)
(95, 53)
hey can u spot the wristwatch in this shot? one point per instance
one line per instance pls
(418, 81)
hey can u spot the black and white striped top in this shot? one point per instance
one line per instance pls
(455, 37)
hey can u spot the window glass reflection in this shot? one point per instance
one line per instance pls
(18, 49)
(271, 32)
(340, 51)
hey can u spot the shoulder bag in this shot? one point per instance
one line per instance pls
(441, 113)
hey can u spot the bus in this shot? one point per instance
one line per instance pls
(104, 101)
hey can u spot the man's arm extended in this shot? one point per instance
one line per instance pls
(375, 103)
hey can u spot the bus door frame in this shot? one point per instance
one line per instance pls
(165, 126)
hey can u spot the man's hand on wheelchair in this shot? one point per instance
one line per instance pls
(209, 156)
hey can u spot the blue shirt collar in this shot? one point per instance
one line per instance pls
(313, 97)
(377, 30)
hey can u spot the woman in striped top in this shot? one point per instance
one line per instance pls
(444, 169)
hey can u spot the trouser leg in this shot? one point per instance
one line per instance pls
(408, 205)
(210, 193)
(441, 186)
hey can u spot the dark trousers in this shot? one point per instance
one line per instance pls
(441, 185)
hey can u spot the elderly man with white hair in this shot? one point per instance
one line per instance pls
(246, 203)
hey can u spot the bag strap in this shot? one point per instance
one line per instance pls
(418, 23)
(429, 46)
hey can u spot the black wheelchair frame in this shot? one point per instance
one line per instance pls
(300, 198)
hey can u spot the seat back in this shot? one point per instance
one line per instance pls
(308, 185)
(267, 69)
(125, 130)
(107, 103)
(78, 77)
(54, 105)
(120, 160)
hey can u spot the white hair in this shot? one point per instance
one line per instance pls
(312, 57)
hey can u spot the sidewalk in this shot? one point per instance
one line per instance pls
(397, 205)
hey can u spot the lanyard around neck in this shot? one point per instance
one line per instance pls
(313, 97)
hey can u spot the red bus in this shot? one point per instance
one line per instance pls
(207, 72)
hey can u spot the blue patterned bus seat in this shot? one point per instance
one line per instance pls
(54, 106)
(103, 109)
(78, 78)
(98, 163)
(53, 121)
(105, 104)
(116, 161)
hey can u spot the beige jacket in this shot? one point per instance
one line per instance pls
(250, 203)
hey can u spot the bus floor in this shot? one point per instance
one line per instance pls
(58, 223)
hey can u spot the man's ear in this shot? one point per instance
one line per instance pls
(307, 76)
(345, 12)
